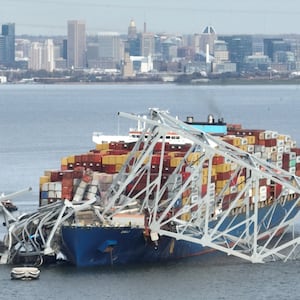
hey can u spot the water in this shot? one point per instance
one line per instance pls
(41, 124)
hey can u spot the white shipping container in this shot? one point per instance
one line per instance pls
(280, 143)
(263, 197)
(244, 141)
(80, 191)
(292, 170)
(267, 135)
(90, 196)
(51, 194)
(57, 186)
(259, 148)
(77, 198)
(83, 184)
(262, 190)
(257, 154)
(93, 189)
(51, 186)
(250, 148)
(45, 187)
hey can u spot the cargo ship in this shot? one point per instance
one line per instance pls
(131, 187)
(170, 189)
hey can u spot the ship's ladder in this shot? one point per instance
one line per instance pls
(238, 217)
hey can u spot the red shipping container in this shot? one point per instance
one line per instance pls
(224, 175)
(56, 176)
(155, 159)
(296, 150)
(185, 175)
(271, 142)
(77, 159)
(217, 160)
(69, 174)
(203, 190)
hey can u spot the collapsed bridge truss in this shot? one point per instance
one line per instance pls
(184, 201)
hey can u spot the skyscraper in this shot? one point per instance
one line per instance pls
(109, 50)
(76, 48)
(7, 48)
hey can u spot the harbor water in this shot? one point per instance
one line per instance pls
(40, 124)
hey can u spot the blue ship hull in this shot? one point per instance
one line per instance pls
(95, 245)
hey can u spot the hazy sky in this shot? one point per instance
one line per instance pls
(172, 16)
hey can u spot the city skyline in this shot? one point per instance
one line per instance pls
(34, 17)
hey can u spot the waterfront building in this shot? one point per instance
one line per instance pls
(76, 45)
(35, 56)
(7, 44)
(239, 47)
(42, 56)
(48, 56)
(221, 53)
(105, 51)
(207, 40)
(273, 45)
(147, 43)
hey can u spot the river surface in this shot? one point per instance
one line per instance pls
(40, 124)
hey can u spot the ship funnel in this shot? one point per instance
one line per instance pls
(189, 119)
(210, 119)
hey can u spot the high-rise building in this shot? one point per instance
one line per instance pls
(207, 39)
(35, 56)
(42, 56)
(147, 44)
(132, 35)
(105, 51)
(273, 45)
(1, 49)
(48, 56)
(109, 49)
(239, 47)
(7, 44)
(76, 47)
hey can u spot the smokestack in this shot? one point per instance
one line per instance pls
(207, 54)
(145, 27)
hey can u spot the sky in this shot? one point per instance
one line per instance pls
(49, 17)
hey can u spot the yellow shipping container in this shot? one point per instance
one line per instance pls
(71, 159)
(118, 167)
(227, 191)
(175, 161)
(185, 200)
(44, 179)
(236, 141)
(194, 157)
(222, 168)
(221, 183)
(109, 159)
(102, 146)
(205, 172)
(119, 159)
(64, 161)
(213, 171)
(244, 147)
(186, 216)
(251, 139)
(240, 186)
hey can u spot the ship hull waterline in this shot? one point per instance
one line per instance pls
(101, 246)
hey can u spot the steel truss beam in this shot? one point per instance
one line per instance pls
(250, 227)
